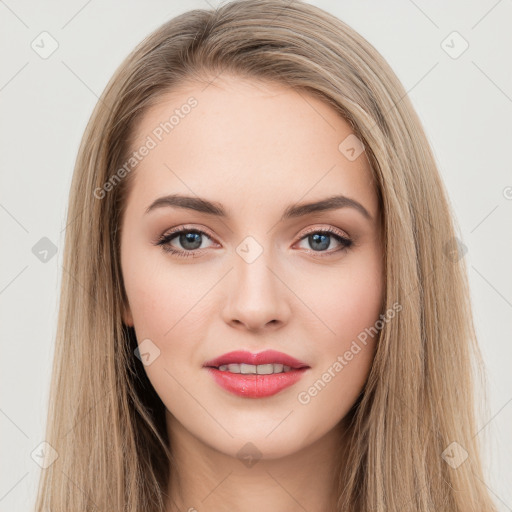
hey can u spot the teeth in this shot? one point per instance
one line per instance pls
(260, 369)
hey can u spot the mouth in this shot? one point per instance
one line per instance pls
(252, 369)
(256, 375)
(261, 363)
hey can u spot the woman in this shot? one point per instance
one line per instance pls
(264, 304)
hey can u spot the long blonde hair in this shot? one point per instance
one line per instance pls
(416, 413)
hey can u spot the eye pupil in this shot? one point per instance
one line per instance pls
(321, 239)
(190, 238)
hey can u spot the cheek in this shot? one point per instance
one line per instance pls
(357, 303)
(170, 307)
(166, 309)
(349, 304)
(148, 296)
(347, 299)
(159, 296)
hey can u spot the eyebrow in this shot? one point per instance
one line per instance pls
(293, 211)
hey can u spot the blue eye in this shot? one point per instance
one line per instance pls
(191, 241)
(321, 240)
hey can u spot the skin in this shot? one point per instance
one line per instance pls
(256, 148)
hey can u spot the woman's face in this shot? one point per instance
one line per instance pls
(254, 272)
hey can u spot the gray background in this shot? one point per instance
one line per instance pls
(464, 101)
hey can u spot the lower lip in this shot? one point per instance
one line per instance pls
(253, 385)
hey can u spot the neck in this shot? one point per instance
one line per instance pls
(204, 479)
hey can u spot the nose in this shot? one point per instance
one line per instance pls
(257, 297)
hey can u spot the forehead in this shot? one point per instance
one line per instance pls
(248, 139)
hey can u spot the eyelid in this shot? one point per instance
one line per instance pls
(187, 227)
(330, 229)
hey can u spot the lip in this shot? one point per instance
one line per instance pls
(253, 385)
(265, 357)
(256, 385)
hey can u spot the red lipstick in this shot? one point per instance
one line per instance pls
(280, 371)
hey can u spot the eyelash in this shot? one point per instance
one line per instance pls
(165, 240)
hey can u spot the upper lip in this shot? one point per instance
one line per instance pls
(265, 357)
